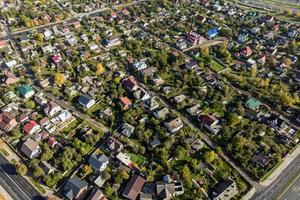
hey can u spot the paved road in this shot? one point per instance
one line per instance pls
(293, 192)
(17, 186)
(277, 187)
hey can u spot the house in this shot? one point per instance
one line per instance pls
(125, 103)
(151, 104)
(7, 121)
(246, 52)
(161, 114)
(51, 109)
(168, 188)
(148, 71)
(75, 189)
(31, 149)
(180, 98)
(96, 194)
(56, 58)
(114, 144)
(139, 65)
(112, 41)
(142, 95)
(262, 59)
(194, 38)
(127, 129)
(52, 142)
(191, 65)
(260, 160)
(210, 122)
(174, 125)
(194, 110)
(125, 159)
(64, 116)
(31, 127)
(130, 84)
(9, 78)
(47, 168)
(44, 121)
(276, 121)
(99, 181)
(225, 190)
(251, 64)
(134, 187)
(22, 118)
(98, 162)
(46, 82)
(86, 101)
(26, 91)
(213, 32)
(181, 45)
(3, 44)
(10, 64)
(253, 104)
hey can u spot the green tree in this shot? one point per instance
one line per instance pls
(233, 119)
(29, 104)
(209, 156)
(22, 169)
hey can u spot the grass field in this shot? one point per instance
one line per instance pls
(138, 159)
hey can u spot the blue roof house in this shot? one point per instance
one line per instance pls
(213, 32)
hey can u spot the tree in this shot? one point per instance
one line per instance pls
(59, 79)
(233, 119)
(209, 156)
(29, 104)
(99, 69)
(38, 171)
(86, 170)
(47, 154)
(253, 72)
(238, 141)
(186, 175)
(22, 169)
(106, 175)
(204, 52)
(287, 62)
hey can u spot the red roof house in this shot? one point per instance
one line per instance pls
(31, 127)
(56, 58)
(246, 52)
(2, 43)
(52, 142)
(125, 103)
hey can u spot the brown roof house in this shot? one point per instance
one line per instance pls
(134, 187)
(9, 78)
(97, 194)
(114, 144)
(7, 122)
(174, 126)
(31, 149)
(52, 109)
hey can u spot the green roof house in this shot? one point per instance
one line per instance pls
(253, 104)
(26, 91)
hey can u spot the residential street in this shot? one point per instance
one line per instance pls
(17, 186)
(74, 110)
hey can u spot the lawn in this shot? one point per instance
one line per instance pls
(216, 66)
(71, 126)
(138, 159)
